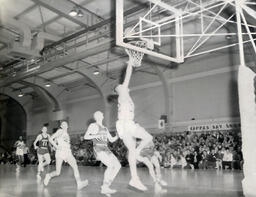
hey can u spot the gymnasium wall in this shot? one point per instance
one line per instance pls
(80, 113)
(203, 89)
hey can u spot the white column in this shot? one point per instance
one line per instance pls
(247, 113)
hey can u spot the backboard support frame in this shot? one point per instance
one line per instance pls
(211, 24)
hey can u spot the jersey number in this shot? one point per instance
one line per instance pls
(44, 143)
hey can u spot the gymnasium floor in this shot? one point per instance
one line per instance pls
(198, 183)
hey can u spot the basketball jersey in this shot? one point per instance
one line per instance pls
(126, 109)
(101, 145)
(101, 131)
(43, 143)
(63, 140)
(20, 144)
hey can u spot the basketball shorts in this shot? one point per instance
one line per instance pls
(100, 148)
(19, 152)
(63, 154)
(124, 126)
(42, 151)
(147, 152)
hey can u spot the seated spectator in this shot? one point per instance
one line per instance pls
(219, 157)
(211, 160)
(167, 160)
(227, 159)
(236, 160)
(202, 163)
(197, 159)
(180, 161)
(189, 157)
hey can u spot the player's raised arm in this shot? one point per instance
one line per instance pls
(128, 74)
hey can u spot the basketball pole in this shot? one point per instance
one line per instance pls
(239, 31)
(247, 112)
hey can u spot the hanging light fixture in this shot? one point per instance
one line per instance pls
(96, 72)
(228, 37)
(47, 85)
(73, 12)
(21, 94)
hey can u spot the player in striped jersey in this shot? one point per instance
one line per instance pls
(100, 136)
(43, 155)
(150, 157)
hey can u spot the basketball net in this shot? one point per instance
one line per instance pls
(135, 57)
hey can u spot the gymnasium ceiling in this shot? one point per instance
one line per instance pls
(56, 35)
(63, 36)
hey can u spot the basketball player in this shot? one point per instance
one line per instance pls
(150, 157)
(43, 155)
(63, 153)
(100, 136)
(19, 145)
(128, 130)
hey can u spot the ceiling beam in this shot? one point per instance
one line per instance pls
(110, 21)
(59, 76)
(59, 17)
(49, 21)
(63, 8)
(90, 51)
(29, 9)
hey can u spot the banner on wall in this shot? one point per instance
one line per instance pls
(161, 124)
(215, 127)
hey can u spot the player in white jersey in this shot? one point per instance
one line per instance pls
(100, 136)
(19, 145)
(63, 153)
(128, 130)
(42, 149)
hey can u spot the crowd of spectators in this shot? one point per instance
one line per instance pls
(188, 150)
(201, 150)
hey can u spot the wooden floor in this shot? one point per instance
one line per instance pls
(198, 183)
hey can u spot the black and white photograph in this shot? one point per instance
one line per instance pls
(123, 98)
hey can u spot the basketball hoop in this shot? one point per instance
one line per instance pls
(135, 57)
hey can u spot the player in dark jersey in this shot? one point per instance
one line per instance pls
(43, 155)
(150, 157)
(100, 136)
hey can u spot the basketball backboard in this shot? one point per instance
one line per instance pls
(166, 27)
(149, 26)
